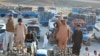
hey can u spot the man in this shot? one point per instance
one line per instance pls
(45, 43)
(86, 52)
(20, 33)
(29, 37)
(9, 34)
(77, 41)
(35, 36)
(95, 53)
(29, 42)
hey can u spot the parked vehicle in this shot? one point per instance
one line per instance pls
(28, 13)
(86, 37)
(2, 32)
(97, 11)
(3, 13)
(98, 19)
(44, 17)
(41, 9)
(2, 24)
(53, 10)
(96, 31)
(89, 18)
(81, 10)
(15, 14)
(90, 26)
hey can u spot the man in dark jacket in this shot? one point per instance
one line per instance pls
(35, 35)
(29, 42)
(77, 41)
(29, 37)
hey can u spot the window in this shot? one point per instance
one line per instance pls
(36, 28)
(2, 30)
(1, 26)
(98, 19)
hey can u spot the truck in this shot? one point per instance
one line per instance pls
(81, 10)
(98, 19)
(44, 17)
(28, 13)
(89, 18)
(96, 31)
(2, 32)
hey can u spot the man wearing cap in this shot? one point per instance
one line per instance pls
(9, 34)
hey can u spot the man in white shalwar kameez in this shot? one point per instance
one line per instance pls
(20, 33)
(45, 43)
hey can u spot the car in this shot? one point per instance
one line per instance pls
(86, 37)
(44, 18)
(2, 32)
(2, 24)
(85, 34)
(15, 14)
(36, 27)
(29, 13)
(96, 31)
(3, 12)
(90, 27)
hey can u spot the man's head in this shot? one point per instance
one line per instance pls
(95, 52)
(78, 27)
(86, 48)
(20, 21)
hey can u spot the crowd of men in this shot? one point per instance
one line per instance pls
(17, 34)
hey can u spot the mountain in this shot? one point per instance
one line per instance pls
(58, 3)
